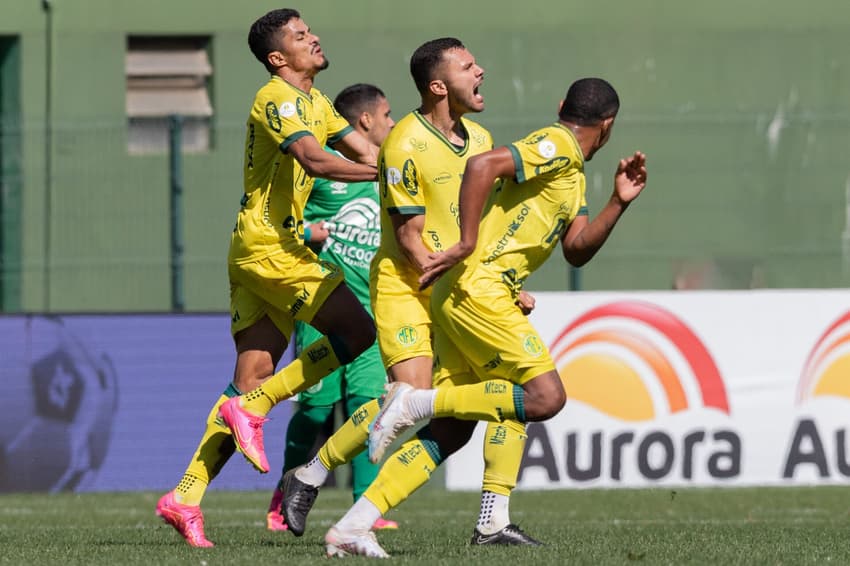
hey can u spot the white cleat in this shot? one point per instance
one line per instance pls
(393, 419)
(353, 543)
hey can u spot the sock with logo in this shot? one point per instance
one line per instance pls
(215, 449)
(363, 472)
(504, 444)
(493, 400)
(350, 439)
(406, 470)
(313, 363)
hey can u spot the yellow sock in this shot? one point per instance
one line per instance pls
(350, 439)
(215, 448)
(504, 444)
(315, 362)
(493, 400)
(409, 468)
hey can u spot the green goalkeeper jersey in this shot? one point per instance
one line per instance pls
(354, 214)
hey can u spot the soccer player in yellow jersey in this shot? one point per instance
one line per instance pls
(490, 362)
(420, 168)
(274, 278)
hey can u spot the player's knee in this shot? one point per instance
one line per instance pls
(545, 400)
(555, 403)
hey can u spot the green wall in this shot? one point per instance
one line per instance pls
(742, 109)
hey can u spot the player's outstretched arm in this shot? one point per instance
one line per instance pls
(583, 239)
(319, 163)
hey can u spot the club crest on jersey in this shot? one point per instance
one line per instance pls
(407, 336)
(408, 177)
(532, 344)
(287, 109)
(272, 116)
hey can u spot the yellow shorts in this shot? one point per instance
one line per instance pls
(401, 311)
(480, 334)
(286, 286)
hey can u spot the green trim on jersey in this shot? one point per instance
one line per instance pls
(406, 210)
(460, 151)
(335, 138)
(583, 211)
(519, 175)
(284, 145)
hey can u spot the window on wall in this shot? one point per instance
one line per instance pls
(168, 76)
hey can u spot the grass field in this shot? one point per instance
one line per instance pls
(684, 526)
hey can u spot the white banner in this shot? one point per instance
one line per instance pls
(689, 388)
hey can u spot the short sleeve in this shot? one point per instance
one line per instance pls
(540, 153)
(400, 184)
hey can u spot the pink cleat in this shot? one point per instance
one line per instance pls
(186, 519)
(384, 525)
(274, 518)
(247, 429)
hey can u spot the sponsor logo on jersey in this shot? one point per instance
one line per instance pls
(443, 178)
(408, 177)
(515, 225)
(299, 302)
(551, 165)
(532, 140)
(272, 116)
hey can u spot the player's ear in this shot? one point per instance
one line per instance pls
(438, 87)
(276, 59)
(365, 121)
(560, 106)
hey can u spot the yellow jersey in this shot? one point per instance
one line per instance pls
(527, 215)
(276, 187)
(419, 172)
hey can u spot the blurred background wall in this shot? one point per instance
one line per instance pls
(743, 109)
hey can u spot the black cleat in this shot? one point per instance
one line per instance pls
(298, 499)
(511, 534)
